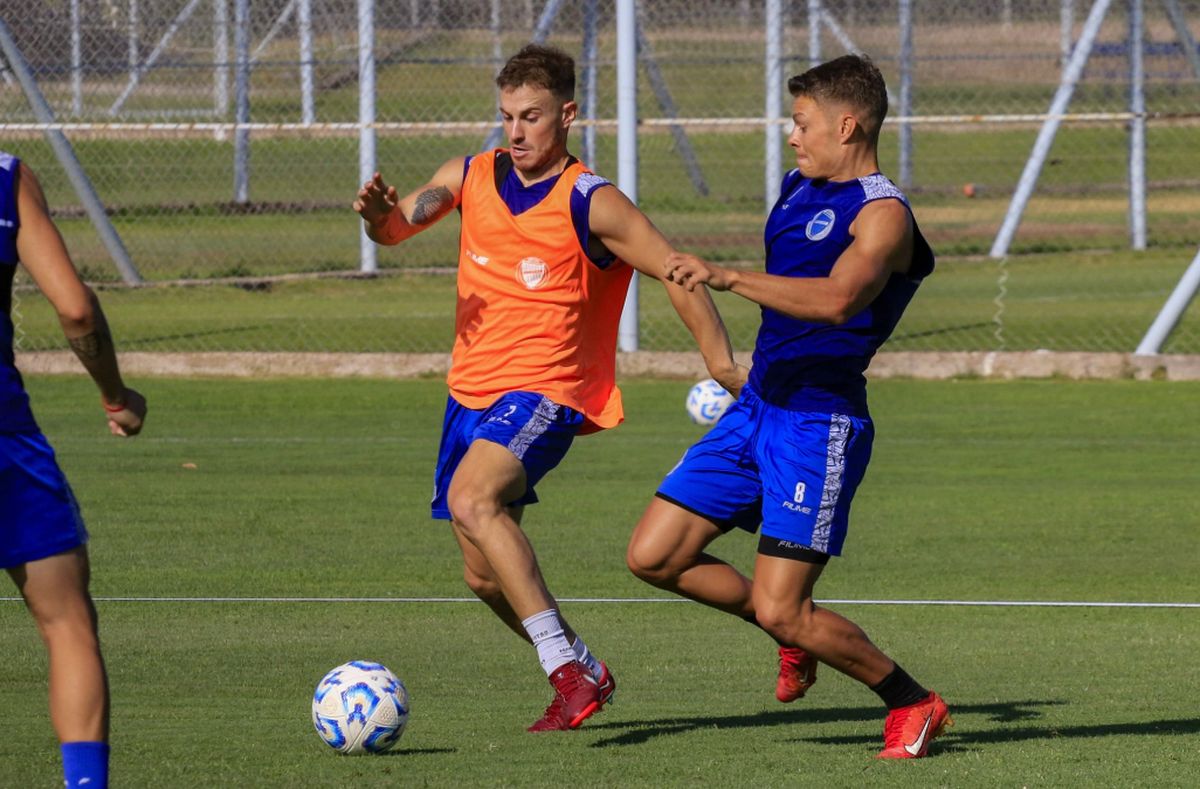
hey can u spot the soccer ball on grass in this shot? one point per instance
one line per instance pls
(707, 401)
(360, 707)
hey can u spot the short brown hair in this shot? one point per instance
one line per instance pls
(850, 79)
(542, 67)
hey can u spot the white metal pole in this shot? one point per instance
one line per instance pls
(1137, 127)
(773, 109)
(220, 59)
(1186, 39)
(133, 37)
(906, 93)
(1066, 30)
(241, 100)
(308, 112)
(590, 24)
(76, 60)
(366, 116)
(814, 33)
(1172, 311)
(1045, 138)
(627, 147)
(67, 158)
(136, 76)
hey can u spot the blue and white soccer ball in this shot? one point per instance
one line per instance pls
(707, 401)
(360, 707)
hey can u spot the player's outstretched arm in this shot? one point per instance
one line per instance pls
(390, 219)
(42, 252)
(883, 242)
(632, 237)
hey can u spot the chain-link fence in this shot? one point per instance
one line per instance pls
(223, 139)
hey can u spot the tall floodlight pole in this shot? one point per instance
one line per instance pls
(627, 147)
(1137, 127)
(366, 117)
(773, 109)
(906, 93)
(241, 91)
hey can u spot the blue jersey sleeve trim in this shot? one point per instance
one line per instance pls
(581, 206)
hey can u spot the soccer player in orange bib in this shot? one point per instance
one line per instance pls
(546, 253)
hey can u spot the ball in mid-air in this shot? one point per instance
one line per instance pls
(707, 401)
(360, 707)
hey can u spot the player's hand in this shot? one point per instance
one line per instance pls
(376, 200)
(731, 379)
(128, 420)
(690, 271)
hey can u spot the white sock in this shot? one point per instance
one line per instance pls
(546, 631)
(587, 658)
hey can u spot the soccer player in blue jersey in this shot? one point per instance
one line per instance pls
(42, 538)
(843, 258)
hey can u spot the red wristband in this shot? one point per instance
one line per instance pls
(112, 409)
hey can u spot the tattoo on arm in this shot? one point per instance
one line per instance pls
(431, 204)
(92, 346)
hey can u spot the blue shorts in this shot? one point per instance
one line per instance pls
(534, 428)
(38, 513)
(794, 472)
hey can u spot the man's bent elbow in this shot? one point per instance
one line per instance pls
(77, 314)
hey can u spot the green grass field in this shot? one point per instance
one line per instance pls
(979, 491)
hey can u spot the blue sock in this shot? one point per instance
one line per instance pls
(85, 764)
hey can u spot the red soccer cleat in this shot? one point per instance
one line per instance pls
(607, 683)
(797, 673)
(576, 698)
(909, 730)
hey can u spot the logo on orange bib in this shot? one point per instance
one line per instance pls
(531, 272)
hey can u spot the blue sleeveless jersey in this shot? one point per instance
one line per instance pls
(15, 416)
(805, 366)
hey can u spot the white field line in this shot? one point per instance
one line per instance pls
(970, 603)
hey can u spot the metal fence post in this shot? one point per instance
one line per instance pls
(1137, 128)
(308, 112)
(76, 60)
(906, 93)
(366, 116)
(773, 80)
(627, 147)
(241, 90)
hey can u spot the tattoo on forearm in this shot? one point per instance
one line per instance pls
(431, 204)
(93, 345)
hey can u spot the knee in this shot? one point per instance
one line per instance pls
(785, 621)
(469, 509)
(655, 567)
(72, 623)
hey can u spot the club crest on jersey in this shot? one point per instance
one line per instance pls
(820, 225)
(531, 272)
